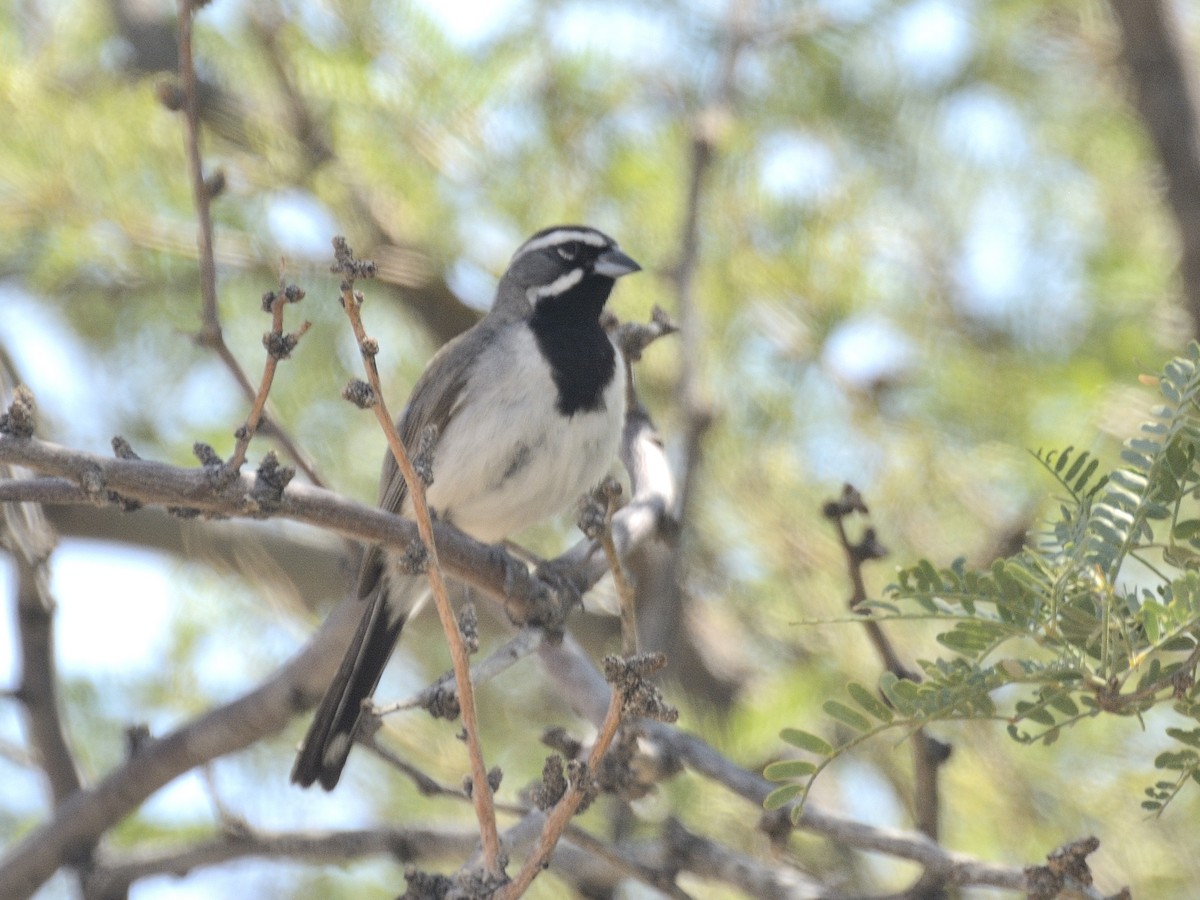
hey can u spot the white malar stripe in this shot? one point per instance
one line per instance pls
(559, 285)
(562, 236)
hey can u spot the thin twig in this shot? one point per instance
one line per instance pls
(481, 792)
(210, 334)
(626, 596)
(928, 753)
(430, 787)
(278, 346)
(504, 657)
(560, 816)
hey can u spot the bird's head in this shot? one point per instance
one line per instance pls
(567, 260)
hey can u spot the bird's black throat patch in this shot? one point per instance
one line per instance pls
(582, 359)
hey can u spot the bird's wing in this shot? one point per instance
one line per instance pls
(434, 401)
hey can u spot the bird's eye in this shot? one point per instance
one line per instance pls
(569, 250)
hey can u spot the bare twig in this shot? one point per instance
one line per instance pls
(481, 792)
(210, 334)
(928, 753)
(203, 190)
(600, 859)
(580, 788)
(504, 657)
(857, 554)
(609, 493)
(709, 125)
(38, 691)
(278, 346)
(429, 787)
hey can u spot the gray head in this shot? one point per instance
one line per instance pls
(565, 259)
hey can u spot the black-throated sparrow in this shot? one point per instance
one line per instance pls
(529, 405)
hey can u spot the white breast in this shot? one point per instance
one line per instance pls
(508, 458)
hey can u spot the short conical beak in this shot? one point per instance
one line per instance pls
(614, 263)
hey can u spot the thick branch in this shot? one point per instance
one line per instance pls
(113, 878)
(26, 534)
(486, 567)
(1156, 56)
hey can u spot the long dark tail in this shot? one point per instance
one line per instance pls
(331, 735)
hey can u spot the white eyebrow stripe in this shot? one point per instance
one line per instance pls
(561, 236)
(554, 288)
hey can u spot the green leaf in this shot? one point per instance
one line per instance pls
(846, 715)
(782, 796)
(1191, 738)
(902, 692)
(1064, 704)
(806, 740)
(1176, 760)
(1026, 710)
(1186, 530)
(787, 769)
(867, 699)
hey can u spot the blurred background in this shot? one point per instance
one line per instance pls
(932, 237)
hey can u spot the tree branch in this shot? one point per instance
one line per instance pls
(113, 877)
(928, 753)
(25, 533)
(481, 793)
(1155, 54)
(203, 190)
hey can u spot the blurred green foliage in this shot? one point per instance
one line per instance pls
(932, 238)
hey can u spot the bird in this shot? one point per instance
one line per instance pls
(528, 406)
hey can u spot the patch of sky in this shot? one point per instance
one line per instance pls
(641, 36)
(470, 23)
(797, 166)
(834, 450)
(933, 40)
(984, 126)
(299, 223)
(993, 265)
(112, 616)
(866, 349)
(67, 378)
(487, 245)
(56, 365)
(1023, 280)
